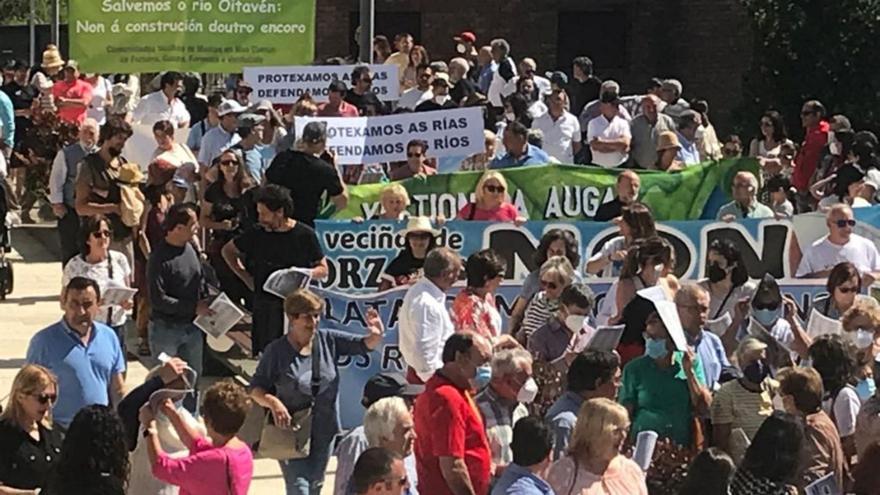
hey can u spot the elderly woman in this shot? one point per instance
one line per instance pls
(492, 202)
(636, 222)
(844, 285)
(664, 390)
(594, 464)
(29, 446)
(108, 268)
(473, 309)
(394, 200)
(861, 324)
(284, 383)
(556, 274)
(406, 267)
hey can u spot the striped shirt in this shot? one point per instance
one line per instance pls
(539, 311)
(733, 404)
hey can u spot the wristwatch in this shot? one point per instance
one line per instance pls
(149, 431)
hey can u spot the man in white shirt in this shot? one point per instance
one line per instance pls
(528, 66)
(424, 320)
(840, 245)
(505, 73)
(223, 136)
(414, 97)
(608, 134)
(562, 131)
(163, 104)
(62, 182)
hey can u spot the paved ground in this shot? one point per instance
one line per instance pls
(34, 305)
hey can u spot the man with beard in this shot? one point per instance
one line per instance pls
(97, 190)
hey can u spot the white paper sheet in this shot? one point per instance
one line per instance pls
(284, 281)
(720, 325)
(116, 295)
(606, 338)
(189, 376)
(826, 485)
(820, 324)
(644, 451)
(226, 315)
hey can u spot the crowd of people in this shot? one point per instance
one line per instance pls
(729, 379)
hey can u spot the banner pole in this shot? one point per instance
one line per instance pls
(365, 55)
(56, 20)
(32, 31)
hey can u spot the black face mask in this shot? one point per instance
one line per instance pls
(756, 371)
(716, 273)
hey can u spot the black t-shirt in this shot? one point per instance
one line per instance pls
(430, 105)
(197, 108)
(608, 211)
(308, 178)
(404, 266)
(362, 101)
(464, 88)
(267, 252)
(224, 208)
(24, 462)
(582, 93)
(22, 98)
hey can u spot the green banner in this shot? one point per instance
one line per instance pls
(190, 35)
(560, 191)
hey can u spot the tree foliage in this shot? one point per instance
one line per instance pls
(806, 49)
(18, 11)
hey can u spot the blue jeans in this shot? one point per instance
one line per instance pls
(306, 476)
(183, 340)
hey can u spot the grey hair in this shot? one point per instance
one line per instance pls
(90, 122)
(688, 118)
(509, 361)
(502, 45)
(753, 181)
(558, 266)
(674, 84)
(381, 418)
(459, 62)
(439, 261)
(688, 293)
(610, 85)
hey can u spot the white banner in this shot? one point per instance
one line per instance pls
(284, 85)
(358, 140)
(142, 144)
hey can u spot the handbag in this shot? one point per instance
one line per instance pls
(294, 442)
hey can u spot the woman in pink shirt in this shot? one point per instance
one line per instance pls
(492, 202)
(220, 464)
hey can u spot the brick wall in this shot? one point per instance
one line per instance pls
(704, 43)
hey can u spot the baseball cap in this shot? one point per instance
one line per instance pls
(230, 106)
(314, 132)
(250, 120)
(558, 77)
(72, 64)
(466, 36)
(441, 77)
(385, 385)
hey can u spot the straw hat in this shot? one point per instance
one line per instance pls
(52, 57)
(419, 224)
(130, 173)
(667, 140)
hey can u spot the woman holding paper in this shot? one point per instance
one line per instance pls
(844, 284)
(594, 464)
(110, 269)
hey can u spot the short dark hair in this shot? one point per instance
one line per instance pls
(90, 225)
(727, 249)
(82, 283)
(816, 106)
(226, 406)
(457, 343)
(591, 367)
(579, 295)
(165, 127)
(584, 64)
(372, 466)
(774, 453)
(519, 129)
(170, 77)
(401, 36)
(483, 266)
(114, 126)
(359, 71)
(421, 143)
(275, 197)
(20, 65)
(337, 86)
(422, 66)
(179, 214)
(532, 441)
(835, 360)
(215, 100)
(553, 235)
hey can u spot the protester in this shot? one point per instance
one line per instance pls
(22, 95)
(556, 274)
(647, 264)
(727, 279)
(770, 465)
(29, 445)
(584, 87)
(688, 134)
(463, 88)
(452, 450)
(379, 472)
(866, 476)
(308, 176)
(473, 309)
(645, 129)
(766, 311)
(492, 202)
(635, 223)
(196, 104)
(416, 57)
(336, 105)
(778, 188)
(502, 403)
(294, 353)
(745, 202)
(421, 92)
(417, 163)
(743, 404)
(527, 87)
(692, 302)
(406, 267)
(846, 188)
(84, 354)
(531, 447)
(279, 242)
(808, 157)
(381, 49)
(519, 152)
(668, 148)
(670, 92)
(404, 44)
(608, 134)
(198, 130)
(424, 321)
(868, 419)
(163, 104)
(223, 136)
(242, 93)
(94, 459)
(554, 342)
(440, 86)
(835, 360)
(178, 155)
(72, 95)
(361, 94)
(768, 147)
(594, 464)
(506, 70)
(218, 462)
(250, 129)
(561, 129)
(665, 389)
(62, 182)
(627, 189)
(710, 473)
(841, 244)
(844, 284)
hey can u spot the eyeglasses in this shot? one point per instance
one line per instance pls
(546, 284)
(848, 290)
(494, 189)
(413, 155)
(101, 234)
(45, 398)
(845, 223)
(229, 162)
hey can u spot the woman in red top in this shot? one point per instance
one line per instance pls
(492, 202)
(473, 309)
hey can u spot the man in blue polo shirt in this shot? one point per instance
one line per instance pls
(519, 152)
(85, 355)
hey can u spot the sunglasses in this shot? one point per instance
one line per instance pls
(494, 189)
(46, 398)
(770, 306)
(845, 223)
(101, 234)
(420, 235)
(848, 290)
(545, 284)
(229, 162)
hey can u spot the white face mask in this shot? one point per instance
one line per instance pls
(658, 268)
(441, 99)
(527, 392)
(863, 338)
(575, 323)
(698, 136)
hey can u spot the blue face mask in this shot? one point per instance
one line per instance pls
(766, 317)
(866, 388)
(484, 374)
(655, 348)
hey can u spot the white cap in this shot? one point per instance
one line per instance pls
(230, 106)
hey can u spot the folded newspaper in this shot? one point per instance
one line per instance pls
(820, 324)
(605, 338)
(225, 315)
(719, 325)
(189, 377)
(115, 294)
(284, 281)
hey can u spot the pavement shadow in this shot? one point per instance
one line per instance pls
(36, 243)
(12, 364)
(29, 300)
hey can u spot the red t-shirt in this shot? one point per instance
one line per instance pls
(449, 425)
(807, 159)
(504, 213)
(345, 109)
(79, 90)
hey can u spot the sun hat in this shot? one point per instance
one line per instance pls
(667, 140)
(419, 224)
(52, 57)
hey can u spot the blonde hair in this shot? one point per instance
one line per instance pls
(302, 301)
(862, 308)
(748, 347)
(560, 268)
(381, 418)
(395, 190)
(492, 174)
(30, 379)
(596, 422)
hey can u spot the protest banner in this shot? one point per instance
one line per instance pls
(381, 139)
(190, 35)
(285, 85)
(554, 192)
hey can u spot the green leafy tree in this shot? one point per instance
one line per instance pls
(813, 49)
(18, 11)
